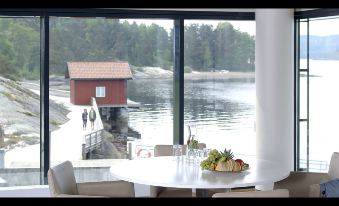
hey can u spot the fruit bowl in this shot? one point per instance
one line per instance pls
(242, 170)
(223, 161)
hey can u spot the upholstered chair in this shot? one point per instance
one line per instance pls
(270, 194)
(306, 184)
(167, 150)
(62, 183)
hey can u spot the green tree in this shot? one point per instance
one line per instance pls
(7, 68)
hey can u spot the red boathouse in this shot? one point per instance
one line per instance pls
(106, 81)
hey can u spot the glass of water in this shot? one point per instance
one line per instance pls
(177, 151)
(206, 152)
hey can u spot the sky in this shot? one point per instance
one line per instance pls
(244, 26)
(321, 27)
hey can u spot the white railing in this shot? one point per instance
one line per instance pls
(93, 140)
(314, 165)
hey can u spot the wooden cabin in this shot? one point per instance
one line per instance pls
(106, 81)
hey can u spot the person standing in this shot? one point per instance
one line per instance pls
(84, 119)
(92, 117)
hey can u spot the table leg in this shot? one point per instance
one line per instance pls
(204, 192)
(201, 193)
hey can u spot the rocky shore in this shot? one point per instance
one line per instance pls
(20, 114)
(159, 73)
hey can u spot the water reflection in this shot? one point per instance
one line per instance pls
(223, 110)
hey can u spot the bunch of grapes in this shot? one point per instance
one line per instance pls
(211, 162)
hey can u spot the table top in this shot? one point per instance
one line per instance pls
(167, 172)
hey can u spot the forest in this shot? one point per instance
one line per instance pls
(100, 39)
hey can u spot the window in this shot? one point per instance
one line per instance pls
(220, 84)
(100, 92)
(154, 97)
(317, 87)
(133, 58)
(20, 101)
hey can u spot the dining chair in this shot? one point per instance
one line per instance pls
(62, 183)
(167, 150)
(306, 184)
(270, 194)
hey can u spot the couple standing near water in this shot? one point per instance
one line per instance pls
(92, 117)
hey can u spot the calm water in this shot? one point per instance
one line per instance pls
(222, 110)
(323, 111)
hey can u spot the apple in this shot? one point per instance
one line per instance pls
(240, 161)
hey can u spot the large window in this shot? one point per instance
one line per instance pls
(128, 65)
(220, 84)
(135, 67)
(318, 110)
(20, 101)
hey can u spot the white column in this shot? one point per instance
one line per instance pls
(274, 51)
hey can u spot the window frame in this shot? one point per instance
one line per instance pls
(299, 17)
(101, 93)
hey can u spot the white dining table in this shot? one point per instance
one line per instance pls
(166, 171)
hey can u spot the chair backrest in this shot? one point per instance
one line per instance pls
(333, 171)
(273, 193)
(61, 179)
(163, 150)
(167, 150)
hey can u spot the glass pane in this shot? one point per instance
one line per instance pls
(130, 63)
(20, 101)
(303, 146)
(303, 95)
(220, 84)
(324, 84)
(303, 45)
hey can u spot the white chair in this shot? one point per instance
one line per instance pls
(62, 183)
(167, 150)
(273, 193)
(306, 184)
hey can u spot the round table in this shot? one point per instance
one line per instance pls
(165, 171)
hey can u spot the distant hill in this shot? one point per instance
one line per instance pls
(321, 47)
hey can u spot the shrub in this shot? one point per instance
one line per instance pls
(188, 69)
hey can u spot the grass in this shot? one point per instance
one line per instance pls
(9, 95)
(54, 122)
(27, 113)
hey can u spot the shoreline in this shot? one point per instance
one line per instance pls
(199, 75)
(218, 75)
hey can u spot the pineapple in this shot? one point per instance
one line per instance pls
(226, 162)
(227, 154)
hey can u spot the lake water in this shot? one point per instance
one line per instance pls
(223, 112)
(323, 110)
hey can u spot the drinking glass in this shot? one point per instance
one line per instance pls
(206, 152)
(190, 155)
(196, 156)
(179, 151)
(201, 155)
(175, 151)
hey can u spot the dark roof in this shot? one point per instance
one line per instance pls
(99, 70)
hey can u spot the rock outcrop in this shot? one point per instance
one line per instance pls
(20, 112)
